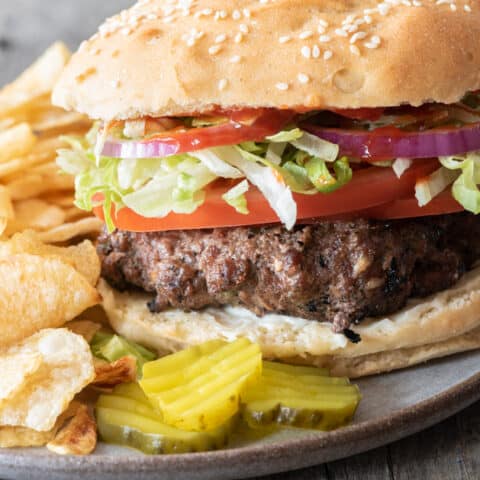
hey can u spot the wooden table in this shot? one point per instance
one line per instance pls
(450, 450)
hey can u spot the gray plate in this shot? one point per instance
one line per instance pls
(393, 406)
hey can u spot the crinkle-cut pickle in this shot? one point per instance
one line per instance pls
(300, 397)
(199, 389)
(126, 418)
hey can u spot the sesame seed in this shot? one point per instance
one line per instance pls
(238, 38)
(303, 78)
(305, 35)
(284, 39)
(324, 38)
(214, 49)
(453, 7)
(222, 84)
(375, 39)
(236, 15)
(328, 55)
(355, 50)
(315, 51)
(243, 28)
(417, 3)
(323, 23)
(235, 59)
(467, 8)
(341, 33)
(220, 38)
(306, 51)
(357, 36)
(383, 9)
(246, 13)
(282, 86)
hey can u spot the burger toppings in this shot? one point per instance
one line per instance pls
(338, 272)
(178, 164)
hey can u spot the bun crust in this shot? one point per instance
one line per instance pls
(436, 326)
(165, 59)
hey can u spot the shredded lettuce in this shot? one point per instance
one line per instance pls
(214, 160)
(427, 189)
(316, 147)
(235, 197)
(465, 188)
(401, 165)
(270, 183)
(290, 161)
(286, 136)
(321, 177)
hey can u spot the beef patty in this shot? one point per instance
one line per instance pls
(338, 271)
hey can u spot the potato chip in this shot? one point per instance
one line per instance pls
(75, 213)
(33, 185)
(16, 141)
(66, 368)
(6, 208)
(82, 257)
(39, 292)
(60, 199)
(78, 437)
(17, 166)
(108, 375)
(11, 437)
(36, 81)
(85, 226)
(85, 328)
(36, 214)
(15, 370)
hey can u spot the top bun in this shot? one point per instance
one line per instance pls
(179, 57)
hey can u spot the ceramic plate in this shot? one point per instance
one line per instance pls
(393, 406)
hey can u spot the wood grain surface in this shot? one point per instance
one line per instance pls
(450, 450)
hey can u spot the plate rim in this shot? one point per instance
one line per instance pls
(402, 422)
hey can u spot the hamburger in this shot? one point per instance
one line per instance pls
(301, 173)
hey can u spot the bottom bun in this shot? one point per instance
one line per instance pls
(442, 324)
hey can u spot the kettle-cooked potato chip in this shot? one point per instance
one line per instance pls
(78, 437)
(39, 292)
(83, 257)
(13, 437)
(66, 368)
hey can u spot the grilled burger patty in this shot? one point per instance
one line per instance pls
(339, 271)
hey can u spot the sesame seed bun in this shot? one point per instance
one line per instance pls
(163, 58)
(445, 323)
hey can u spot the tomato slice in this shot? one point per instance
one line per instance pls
(369, 187)
(409, 208)
(241, 127)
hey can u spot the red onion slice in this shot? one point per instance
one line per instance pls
(132, 149)
(386, 143)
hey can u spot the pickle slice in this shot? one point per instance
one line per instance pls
(126, 418)
(198, 389)
(305, 398)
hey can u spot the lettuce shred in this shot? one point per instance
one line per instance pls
(465, 188)
(292, 161)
